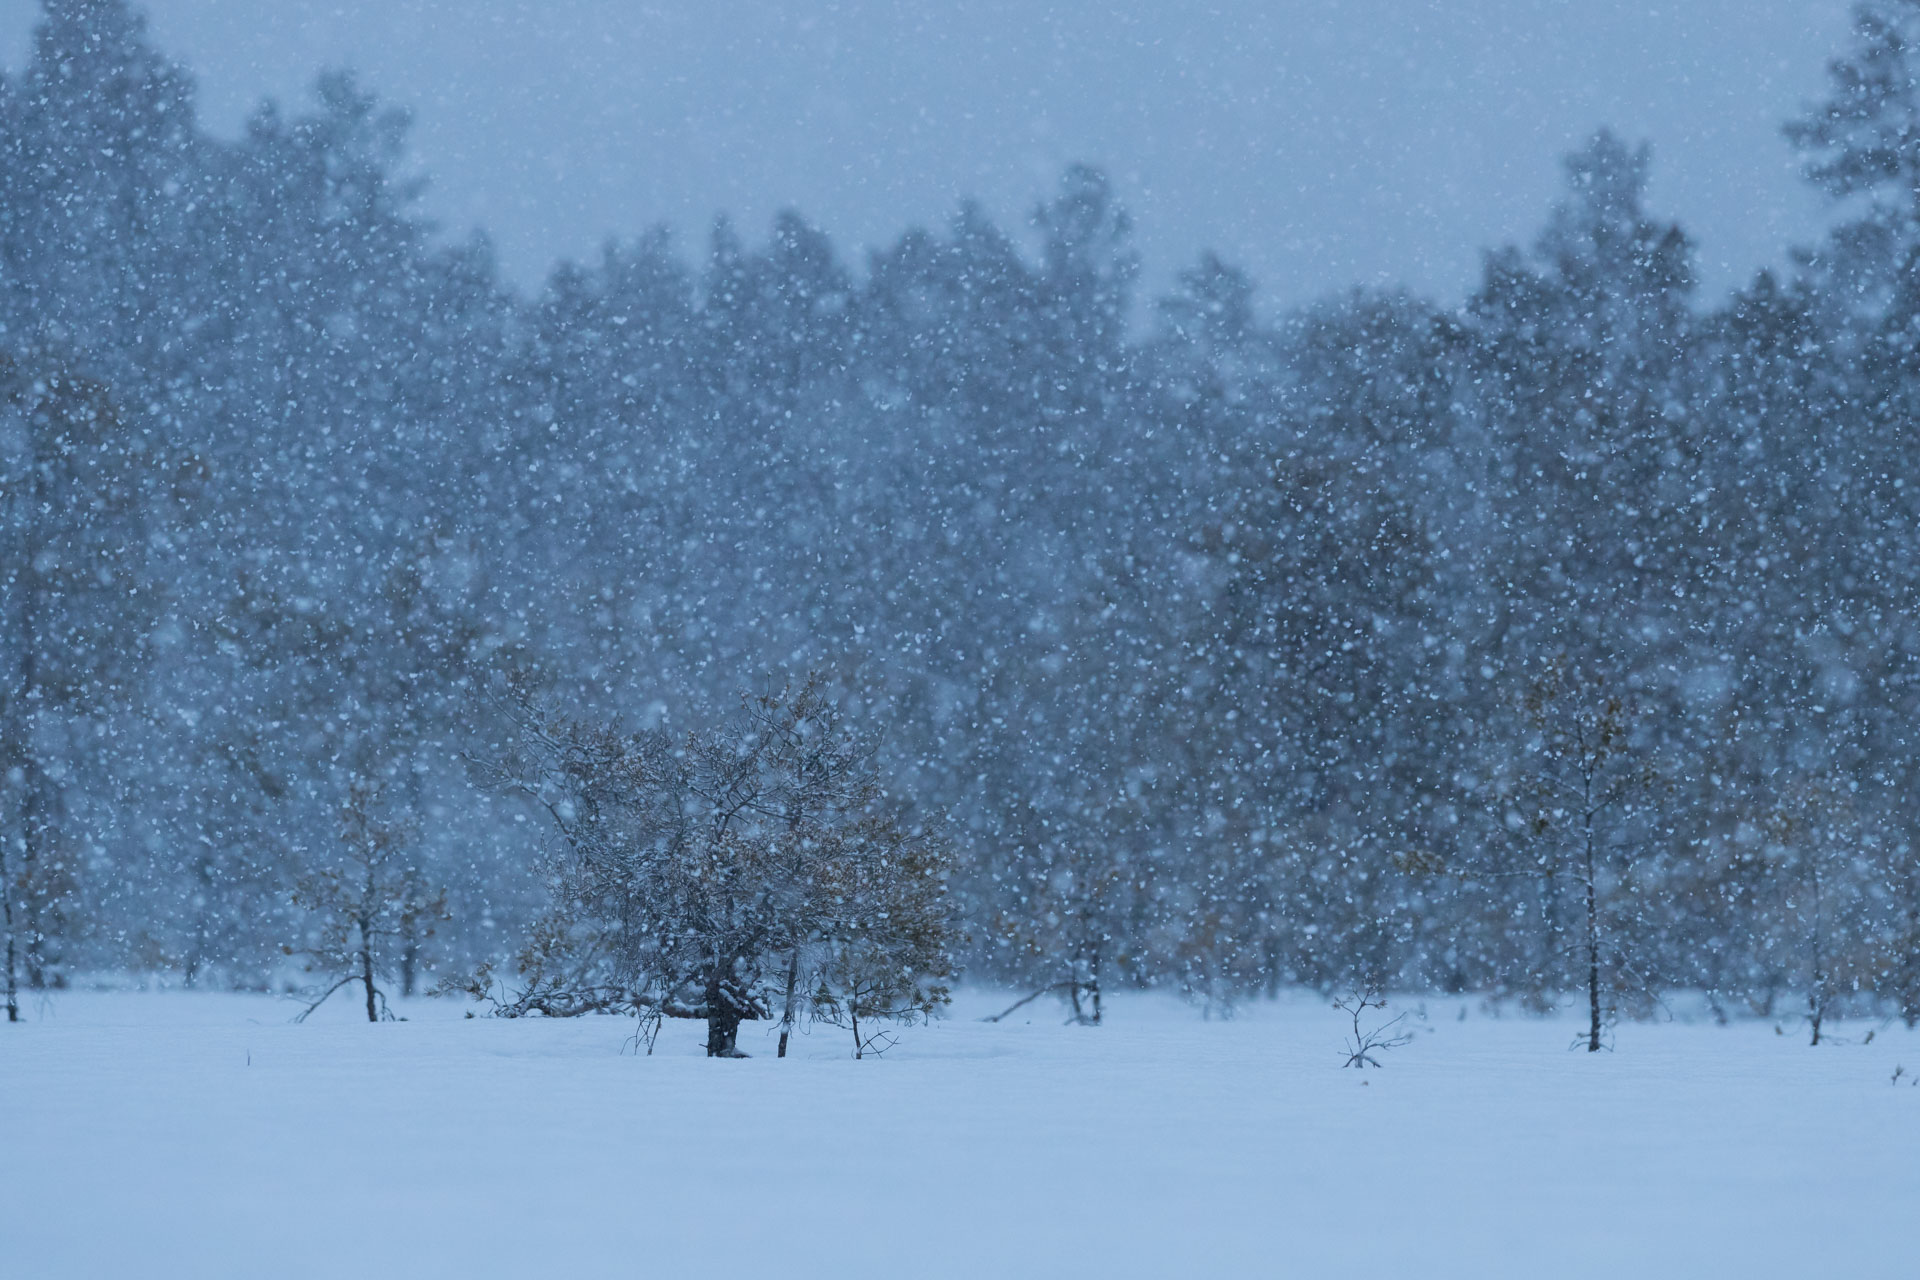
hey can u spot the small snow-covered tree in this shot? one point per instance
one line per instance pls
(722, 875)
(367, 900)
(883, 933)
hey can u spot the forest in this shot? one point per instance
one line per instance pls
(731, 629)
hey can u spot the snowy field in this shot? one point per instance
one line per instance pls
(205, 1136)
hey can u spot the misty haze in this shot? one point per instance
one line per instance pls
(966, 640)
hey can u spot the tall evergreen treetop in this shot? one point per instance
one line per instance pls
(1866, 136)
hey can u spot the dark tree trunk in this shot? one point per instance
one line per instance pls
(723, 1031)
(786, 1011)
(26, 701)
(1553, 938)
(33, 831)
(796, 814)
(409, 962)
(366, 968)
(1817, 993)
(725, 1012)
(6, 908)
(1910, 996)
(202, 943)
(196, 956)
(1593, 950)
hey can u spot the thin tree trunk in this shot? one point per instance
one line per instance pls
(197, 956)
(1911, 995)
(1093, 984)
(1817, 995)
(32, 834)
(197, 953)
(366, 968)
(1553, 928)
(1593, 951)
(415, 891)
(409, 951)
(795, 815)
(853, 1012)
(1552, 943)
(27, 702)
(409, 931)
(786, 1012)
(6, 905)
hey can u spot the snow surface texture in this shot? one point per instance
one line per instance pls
(205, 1136)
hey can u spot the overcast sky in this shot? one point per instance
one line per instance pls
(1319, 143)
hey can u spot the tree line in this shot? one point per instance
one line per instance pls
(361, 611)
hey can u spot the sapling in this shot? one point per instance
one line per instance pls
(1812, 822)
(1365, 1040)
(1587, 785)
(365, 898)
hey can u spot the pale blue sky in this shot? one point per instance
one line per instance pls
(1319, 143)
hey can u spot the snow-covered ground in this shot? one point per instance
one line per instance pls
(205, 1136)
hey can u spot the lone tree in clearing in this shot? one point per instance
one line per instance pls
(369, 902)
(750, 871)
